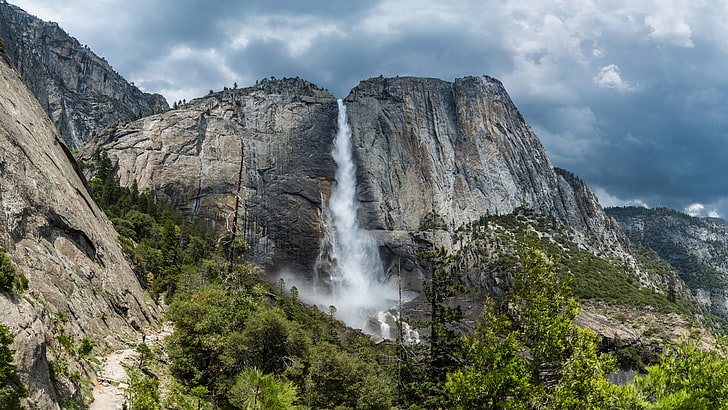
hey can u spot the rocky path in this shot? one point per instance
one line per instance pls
(109, 391)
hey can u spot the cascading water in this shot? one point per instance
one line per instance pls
(355, 275)
(349, 275)
(358, 267)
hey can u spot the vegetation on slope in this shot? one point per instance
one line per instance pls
(159, 242)
(242, 343)
(231, 328)
(660, 229)
(491, 243)
(10, 278)
(697, 248)
(11, 389)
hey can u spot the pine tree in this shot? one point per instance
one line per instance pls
(423, 369)
(442, 287)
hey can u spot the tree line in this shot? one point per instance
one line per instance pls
(240, 342)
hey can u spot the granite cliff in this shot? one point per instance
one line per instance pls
(426, 151)
(431, 151)
(79, 91)
(263, 149)
(80, 285)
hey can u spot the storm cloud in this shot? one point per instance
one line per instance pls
(630, 96)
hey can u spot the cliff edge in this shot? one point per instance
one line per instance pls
(78, 90)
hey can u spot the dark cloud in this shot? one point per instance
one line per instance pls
(628, 95)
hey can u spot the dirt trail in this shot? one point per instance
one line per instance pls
(109, 391)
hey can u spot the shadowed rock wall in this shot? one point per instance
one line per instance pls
(79, 91)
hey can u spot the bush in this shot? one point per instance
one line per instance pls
(9, 276)
(255, 390)
(87, 346)
(143, 391)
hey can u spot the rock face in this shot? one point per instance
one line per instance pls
(268, 146)
(455, 151)
(80, 91)
(696, 247)
(80, 285)
(426, 151)
(430, 151)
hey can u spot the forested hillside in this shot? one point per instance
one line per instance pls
(242, 343)
(696, 247)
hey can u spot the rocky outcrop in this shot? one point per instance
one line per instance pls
(80, 285)
(696, 247)
(79, 91)
(264, 149)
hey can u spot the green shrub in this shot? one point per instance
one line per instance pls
(143, 391)
(254, 390)
(87, 345)
(10, 279)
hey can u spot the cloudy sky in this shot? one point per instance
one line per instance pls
(630, 95)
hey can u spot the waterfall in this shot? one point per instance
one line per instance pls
(349, 274)
(358, 267)
(356, 276)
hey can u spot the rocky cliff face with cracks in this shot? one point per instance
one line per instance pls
(80, 285)
(431, 152)
(79, 91)
(427, 152)
(265, 149)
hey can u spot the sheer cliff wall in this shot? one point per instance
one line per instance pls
(426, 151)
(80, 285)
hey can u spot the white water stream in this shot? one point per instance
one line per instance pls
(349, 274)
(357, 285)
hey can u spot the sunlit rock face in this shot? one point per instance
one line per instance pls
(79, 91)
(426, 151)
(264, 148)
(57, 237)
(429, 151)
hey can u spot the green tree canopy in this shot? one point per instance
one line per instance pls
(11, 389)
(527, 352)
(687, 377)
(338, 379)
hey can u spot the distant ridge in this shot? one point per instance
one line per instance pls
(696, 247)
